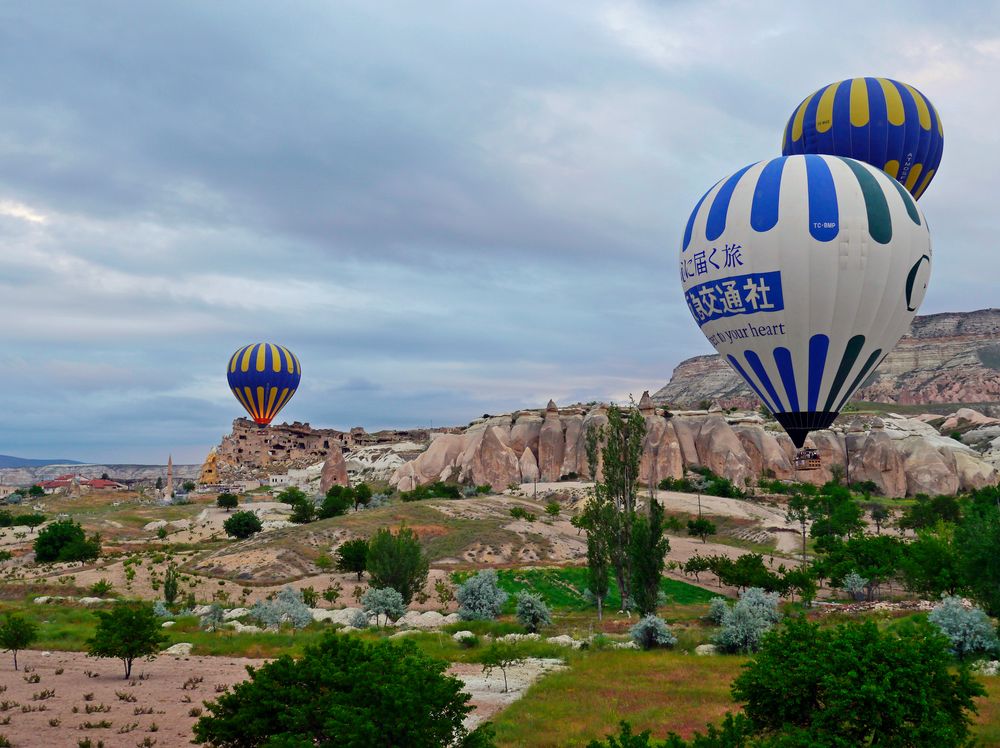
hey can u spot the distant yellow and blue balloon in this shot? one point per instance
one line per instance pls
(263, 377)
(887, 124)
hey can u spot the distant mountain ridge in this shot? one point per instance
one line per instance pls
(9, 461)
(952, 357)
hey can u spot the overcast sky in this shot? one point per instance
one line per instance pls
(444, 209)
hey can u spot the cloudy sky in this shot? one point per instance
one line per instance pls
(443, 208)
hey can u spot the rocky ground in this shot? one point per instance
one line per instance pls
(163, 698)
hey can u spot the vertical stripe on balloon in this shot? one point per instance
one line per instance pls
(694, 214)
(245, 363)
(818, 347)
(893, 102)
(908, 203)
(879, 219)
(758, 368)
(261, 357)
(275, 358)
(783, 360)
(860, 377)
(746, 377)
(823, 213)
(720, 206)
(764, 207)
(800, 114)
(851, 352)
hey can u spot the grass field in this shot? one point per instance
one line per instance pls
(662, 691)
(562, 588)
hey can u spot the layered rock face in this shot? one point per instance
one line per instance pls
(945, 358)
(250, 451)
(900, 456)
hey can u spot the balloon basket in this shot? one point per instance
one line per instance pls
(807, 459)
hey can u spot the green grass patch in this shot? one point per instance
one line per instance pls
(657, 690)
(562, 588)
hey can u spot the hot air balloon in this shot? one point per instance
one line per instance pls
(804, 272)
(263, 376)
(887, 124)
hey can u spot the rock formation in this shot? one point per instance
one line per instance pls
(334, 471)
(551, 445)
(901, 456)
(945, 358)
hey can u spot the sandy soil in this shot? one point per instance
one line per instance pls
(158, 686)
(166, 687)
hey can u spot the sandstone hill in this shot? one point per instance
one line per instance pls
(945, 358)
(901, 456)
(25, 476)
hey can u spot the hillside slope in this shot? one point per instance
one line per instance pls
(945, 358)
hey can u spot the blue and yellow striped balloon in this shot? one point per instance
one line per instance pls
(887, 124)
(263, 376)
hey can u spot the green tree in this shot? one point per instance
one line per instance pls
(30, 520)
(701, 528)
(16, 634)
(242, 525)
(352, 556)
(598, 568)
(877, 558)
(978, 535)
(927, 512)
(835, 515)
(362, 495)
(189, 486)
(500, 656)
(65, 541)
(292, 495)
(879, 515)
(128, 632)
(396, 560)
(647, 551)
(344, 692)
(303, 512)
(36, 491)
(931, 564)
(227, 501)
(798, 512)
(615, 450)
(170, 585)
(336, 502)
(855, 685)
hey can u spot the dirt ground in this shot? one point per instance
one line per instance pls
(169, 689)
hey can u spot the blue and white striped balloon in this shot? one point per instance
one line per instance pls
(804, 272)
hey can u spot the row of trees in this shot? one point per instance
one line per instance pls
(622, 541)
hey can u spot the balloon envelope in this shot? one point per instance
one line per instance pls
(263, 377)
(804, 272)
(887, 124)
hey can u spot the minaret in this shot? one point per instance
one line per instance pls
(170, 476)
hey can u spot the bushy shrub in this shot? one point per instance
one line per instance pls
(652, 631)
(160, 610)
(970, 631)
(717, 609)
(480, 597)
(65, 541)
(436, 490)
(212, 619)
(242, 525)
(358, 620)
(397, 560)
(286, 607)
(855, 585)
(764, 602)
(384, 602)
(519, 512)
(532, 612)
(745, 623)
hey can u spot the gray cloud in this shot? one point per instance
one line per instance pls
(443, 213)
